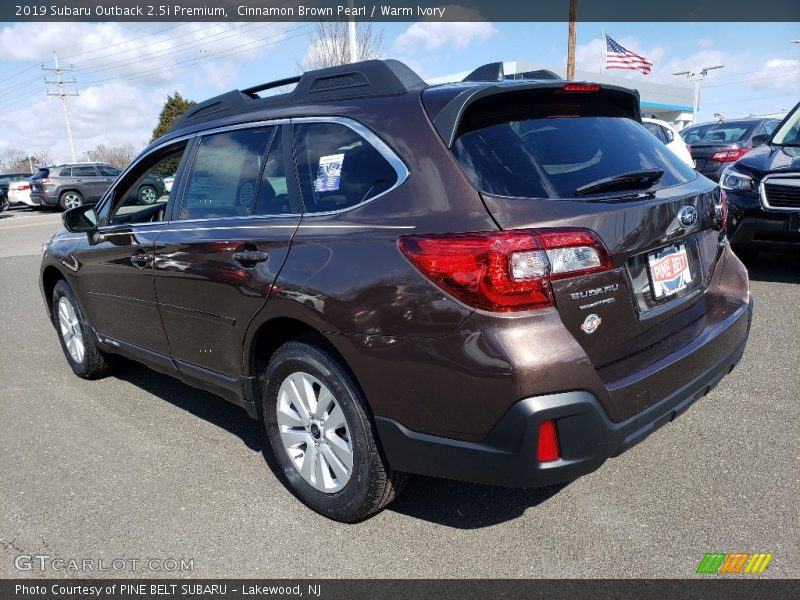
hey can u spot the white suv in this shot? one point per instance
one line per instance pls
(670, 137)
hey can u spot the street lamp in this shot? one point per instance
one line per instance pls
(697, 78)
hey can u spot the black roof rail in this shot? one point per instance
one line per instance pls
(252, 91)
(356, 80)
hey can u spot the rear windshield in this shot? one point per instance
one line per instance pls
(717, 133)
(550, 151)
(41, 174)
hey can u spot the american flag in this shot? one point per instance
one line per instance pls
(618, 57)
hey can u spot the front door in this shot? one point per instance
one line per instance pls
(116, 281)
(219, 256)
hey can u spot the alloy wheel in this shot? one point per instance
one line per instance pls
(314, 432)
(147, 195)
(71, 330)
(72, 200)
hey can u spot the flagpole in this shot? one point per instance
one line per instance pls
(603, 50)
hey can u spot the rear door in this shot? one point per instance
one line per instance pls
(88, 182)
(227, 239)
(542, 164)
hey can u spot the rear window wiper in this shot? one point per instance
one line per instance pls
(624, 181)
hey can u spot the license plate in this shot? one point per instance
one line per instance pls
(669, 271)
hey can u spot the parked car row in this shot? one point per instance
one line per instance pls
(7, 181)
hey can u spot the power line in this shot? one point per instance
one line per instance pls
(160, 53)
(207, 58)
(220, 54)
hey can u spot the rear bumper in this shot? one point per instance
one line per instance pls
(587, 436)
(713, 169)
(43, 199)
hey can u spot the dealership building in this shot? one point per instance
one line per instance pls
(670, 103)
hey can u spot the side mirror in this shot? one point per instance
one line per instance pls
(757, 140)
(81, 219)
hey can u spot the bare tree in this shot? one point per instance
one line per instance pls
(18, 161)
(118, 156)
(330, 45)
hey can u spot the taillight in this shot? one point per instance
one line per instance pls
(43, 181)
(547, 450)
(505, 271)
(731, 155)
(22, 188)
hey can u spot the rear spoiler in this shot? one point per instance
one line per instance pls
(447, 120)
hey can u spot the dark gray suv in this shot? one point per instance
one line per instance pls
(74, 184)
(70, 185)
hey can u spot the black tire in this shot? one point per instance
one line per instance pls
(147, 194)
(746, 254)
(69, 200)
(372, 484)
(94, 363)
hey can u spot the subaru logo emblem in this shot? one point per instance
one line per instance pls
(687, 216)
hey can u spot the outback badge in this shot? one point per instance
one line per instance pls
(591, 323)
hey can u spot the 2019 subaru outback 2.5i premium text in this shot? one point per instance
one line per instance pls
(505, 282)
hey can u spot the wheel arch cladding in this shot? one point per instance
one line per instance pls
(275, 332)
(50, 277)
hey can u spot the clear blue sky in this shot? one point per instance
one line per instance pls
(125, 70)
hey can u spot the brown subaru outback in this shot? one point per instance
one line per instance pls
(499, 281)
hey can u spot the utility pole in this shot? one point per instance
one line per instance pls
(61, 93)
(573, 16)
(351, 30)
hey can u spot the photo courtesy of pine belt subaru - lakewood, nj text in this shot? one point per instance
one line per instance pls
(498, 281)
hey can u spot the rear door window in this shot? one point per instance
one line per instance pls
(65, 173)
(225, 175)
(106, 171)
(84, 172)
(717, 133)
(541, 150)
(656, 130)
(338, 168)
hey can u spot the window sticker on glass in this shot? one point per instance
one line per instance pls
(329, 173)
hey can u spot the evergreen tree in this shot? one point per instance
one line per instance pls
(174, 107)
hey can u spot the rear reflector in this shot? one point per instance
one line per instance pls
(547, 450)
(505, 271)
(731, 155)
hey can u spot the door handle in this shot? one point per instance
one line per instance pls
(249, 258)
(140, 259)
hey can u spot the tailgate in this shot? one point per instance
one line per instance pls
(554, 159)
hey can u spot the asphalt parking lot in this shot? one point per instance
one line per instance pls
(141, 466)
